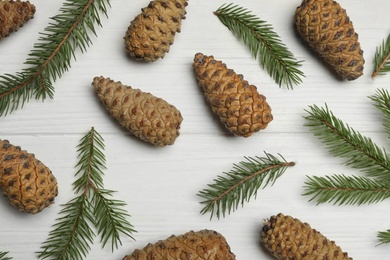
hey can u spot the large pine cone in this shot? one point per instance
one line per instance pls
(204, 244)
(239, 105)
(28, 184)
(149, 118)
(288, 238)
(13, 15)
(152, 32)
(325, 26)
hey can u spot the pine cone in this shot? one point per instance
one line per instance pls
(149, 118)
(239, 105)
(325, 26)
(28, 184)
(13, 15)
(289, 238)
(204, 244)
(152, 32)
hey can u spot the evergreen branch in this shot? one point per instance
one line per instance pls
(263, 43)
(3, 256)
(241, 183)
(113, 218)
(382, 58)
(72, 234)
(343, 141)
(341, 189)
(384, 237)
(51, 56)
(382, 102)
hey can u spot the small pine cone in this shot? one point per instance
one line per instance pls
(152, 32)
(13, 15)
(204, 244)
(325, 26)
(289, 238)
(28, 184)
(149, 118)
(239, 105)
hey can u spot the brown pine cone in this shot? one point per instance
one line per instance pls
(13, 15)
(326, 27)
(28, 184)
(239, 105)
(204, 244)
(152, 32)
(288, 238)
(149, 118)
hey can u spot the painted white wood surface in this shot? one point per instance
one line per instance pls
(160, 184)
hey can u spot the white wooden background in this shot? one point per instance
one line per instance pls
(160, 184)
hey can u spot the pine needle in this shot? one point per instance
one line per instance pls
(382, 58)
(343, 141)
(263, 43)
(240, 184)
(3, 256)
(51, 56)
(73, 234)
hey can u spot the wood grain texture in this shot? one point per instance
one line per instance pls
(160, 184)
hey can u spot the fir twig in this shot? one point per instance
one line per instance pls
(72, 235)
(3, 256)
(263, 43)
(51, 56)
(343, 141)
(341, 189)
(382, 102)
(384, 237)
(382, 58)
(361, 152)
(241, 183)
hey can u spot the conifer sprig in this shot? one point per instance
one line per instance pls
(346, 190)
(51, 56)
(381, 100)
(240, 184)
(263, 42)
(343, 141)
(73, 233)
(361, 153)
(382, 58)
(3, 256)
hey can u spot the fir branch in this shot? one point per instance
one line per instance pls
(343, 141)
(350, 190)
(72, 235)
(382, 102)
(3, 256)
(382, 58)
(51, 56)
(384, 237)
(241, 183)
(263, 43)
